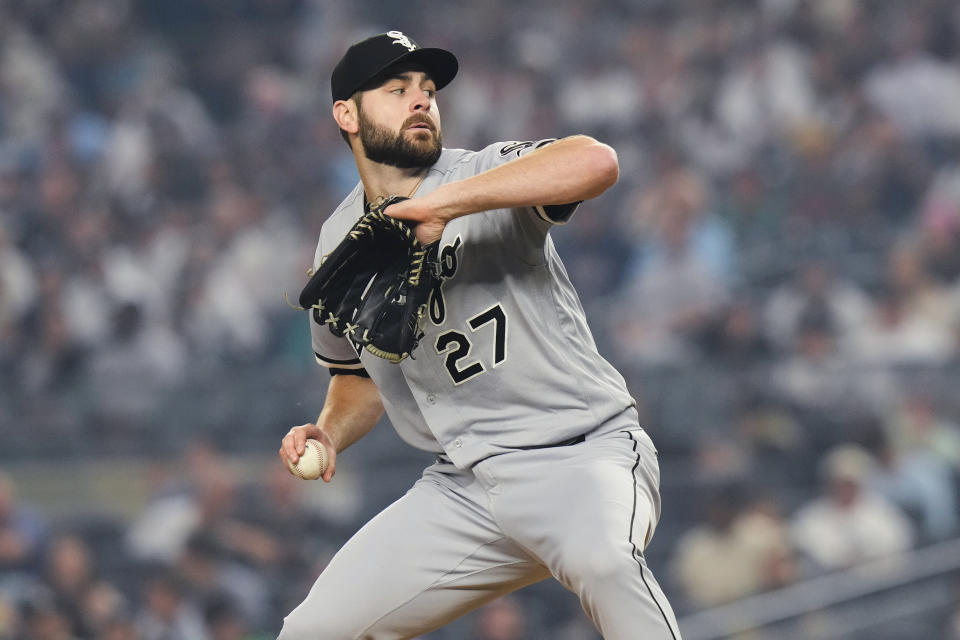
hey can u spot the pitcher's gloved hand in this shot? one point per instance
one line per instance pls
(374, 286)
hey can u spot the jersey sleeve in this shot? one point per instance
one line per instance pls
(503, 152)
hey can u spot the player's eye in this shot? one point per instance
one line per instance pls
(399, 91)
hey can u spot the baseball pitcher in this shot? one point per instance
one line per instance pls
(542, 469)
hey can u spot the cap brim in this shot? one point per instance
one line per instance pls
(439, 63)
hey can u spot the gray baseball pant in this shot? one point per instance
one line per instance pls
(460, 538)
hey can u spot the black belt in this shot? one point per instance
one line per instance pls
(564, 443)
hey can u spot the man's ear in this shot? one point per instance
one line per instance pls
(345, 113)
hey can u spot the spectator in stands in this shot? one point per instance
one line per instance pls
(913, 87)
(742, 547)
(734, 338)
(211, 575)
(767, 429)
(55, 361)
(18, 291)
(70, 573)
(225, 621)
(105, 608)
(196, 529)
(235, 297)
(130, 374)
(819, 382)
(201, 498)
(918, 423)
(917, 480)
(939, 224)
(816, 288)
(44, 621)
(684, 263)
(849, 523)
(596, 253)
(923, 298)
(755, 214)
(913, 323)
(893, 336)
(881, 170)
(277, 525)
(166, 612)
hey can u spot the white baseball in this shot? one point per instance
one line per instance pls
(312, 463)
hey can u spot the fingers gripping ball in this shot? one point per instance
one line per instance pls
(312, 464)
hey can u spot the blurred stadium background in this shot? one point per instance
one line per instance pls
(777, 274)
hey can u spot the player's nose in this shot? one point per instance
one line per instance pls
(421, 100)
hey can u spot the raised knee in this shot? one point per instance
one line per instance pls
(603, 564)
(598, 563)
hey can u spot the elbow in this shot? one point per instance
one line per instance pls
(606, 165)
(602, 166)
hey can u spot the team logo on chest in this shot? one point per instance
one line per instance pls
(447, 263)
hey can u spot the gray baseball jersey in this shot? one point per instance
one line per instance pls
(506, 368)
(507, 360)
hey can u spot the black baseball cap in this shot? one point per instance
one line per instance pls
(366, 59)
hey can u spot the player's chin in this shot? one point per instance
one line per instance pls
(421, 134)
(427, 146)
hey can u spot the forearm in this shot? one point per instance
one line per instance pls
(568, 170)
(352, 408)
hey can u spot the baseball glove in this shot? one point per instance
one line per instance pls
(374, 286)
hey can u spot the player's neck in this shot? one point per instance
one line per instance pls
(380, 180)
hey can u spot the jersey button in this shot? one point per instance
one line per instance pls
(431, 399)
(458, 443)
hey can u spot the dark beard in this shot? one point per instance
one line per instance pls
(383, 146)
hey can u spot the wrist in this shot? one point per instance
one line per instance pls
(444, 204)
(326, 433)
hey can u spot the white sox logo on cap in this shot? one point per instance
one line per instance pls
(402, 40)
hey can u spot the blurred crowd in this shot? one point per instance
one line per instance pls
(777, 274)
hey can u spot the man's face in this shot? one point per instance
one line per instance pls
(399, 121)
